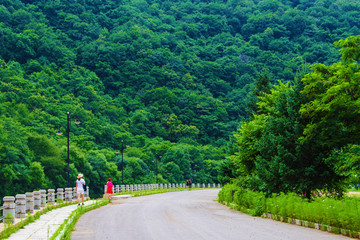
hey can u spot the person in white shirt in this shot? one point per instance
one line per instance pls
(80, 182)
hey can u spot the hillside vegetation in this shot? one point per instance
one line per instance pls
(171, 79)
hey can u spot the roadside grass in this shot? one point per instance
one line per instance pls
(65, 229)
(330, 214)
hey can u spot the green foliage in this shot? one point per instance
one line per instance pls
(303, 136)
(340, 213)
(170, 80)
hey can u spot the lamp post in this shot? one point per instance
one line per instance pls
(156, 177)
(68, 145)
(122, 161)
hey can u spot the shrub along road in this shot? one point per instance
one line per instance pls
(184, 215)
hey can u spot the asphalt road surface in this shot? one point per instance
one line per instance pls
(188, 215)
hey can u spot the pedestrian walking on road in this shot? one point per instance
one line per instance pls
(80, 183)
(188, 184)
(109, 188)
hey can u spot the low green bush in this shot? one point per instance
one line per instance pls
(338, 213)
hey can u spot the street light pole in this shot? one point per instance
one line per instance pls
(156, 177)
(122, 162)
(68, 148)
(68, 145)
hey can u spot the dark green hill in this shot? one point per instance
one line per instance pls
(169, 78)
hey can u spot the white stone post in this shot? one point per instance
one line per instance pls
(37, 200)
(117, 187)
(68, 194)
(60, 195)
(105, 188)
(9, 209)
(43, 198)
(87, 192)
(29, 202)
(74, 193)
(20, 206)
(51, 196)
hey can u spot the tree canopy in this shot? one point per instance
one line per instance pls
(173, 81)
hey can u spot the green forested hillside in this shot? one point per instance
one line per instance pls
(171, 79)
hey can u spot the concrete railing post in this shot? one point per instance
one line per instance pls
(51, 196)
(68, 194)
(74, 193)
(9, 209)
(117, 187)
(37, 199)
(29, 202)
(60, 195)
(20, 206)
(86, 193)
(43, 198)
(105, 188)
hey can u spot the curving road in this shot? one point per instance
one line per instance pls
(188, 215)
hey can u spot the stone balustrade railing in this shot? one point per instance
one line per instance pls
(21, 204)
(140, 187)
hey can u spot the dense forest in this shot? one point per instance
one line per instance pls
(167, 82)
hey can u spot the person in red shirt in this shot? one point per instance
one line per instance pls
(109, 188)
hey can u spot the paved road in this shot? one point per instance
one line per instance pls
(184, 215)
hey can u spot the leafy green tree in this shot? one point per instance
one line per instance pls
(171, 171)
(332, 100)
(37, 176)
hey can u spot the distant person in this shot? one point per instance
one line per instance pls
(80, 182)
(188, 184)
(109, 188)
